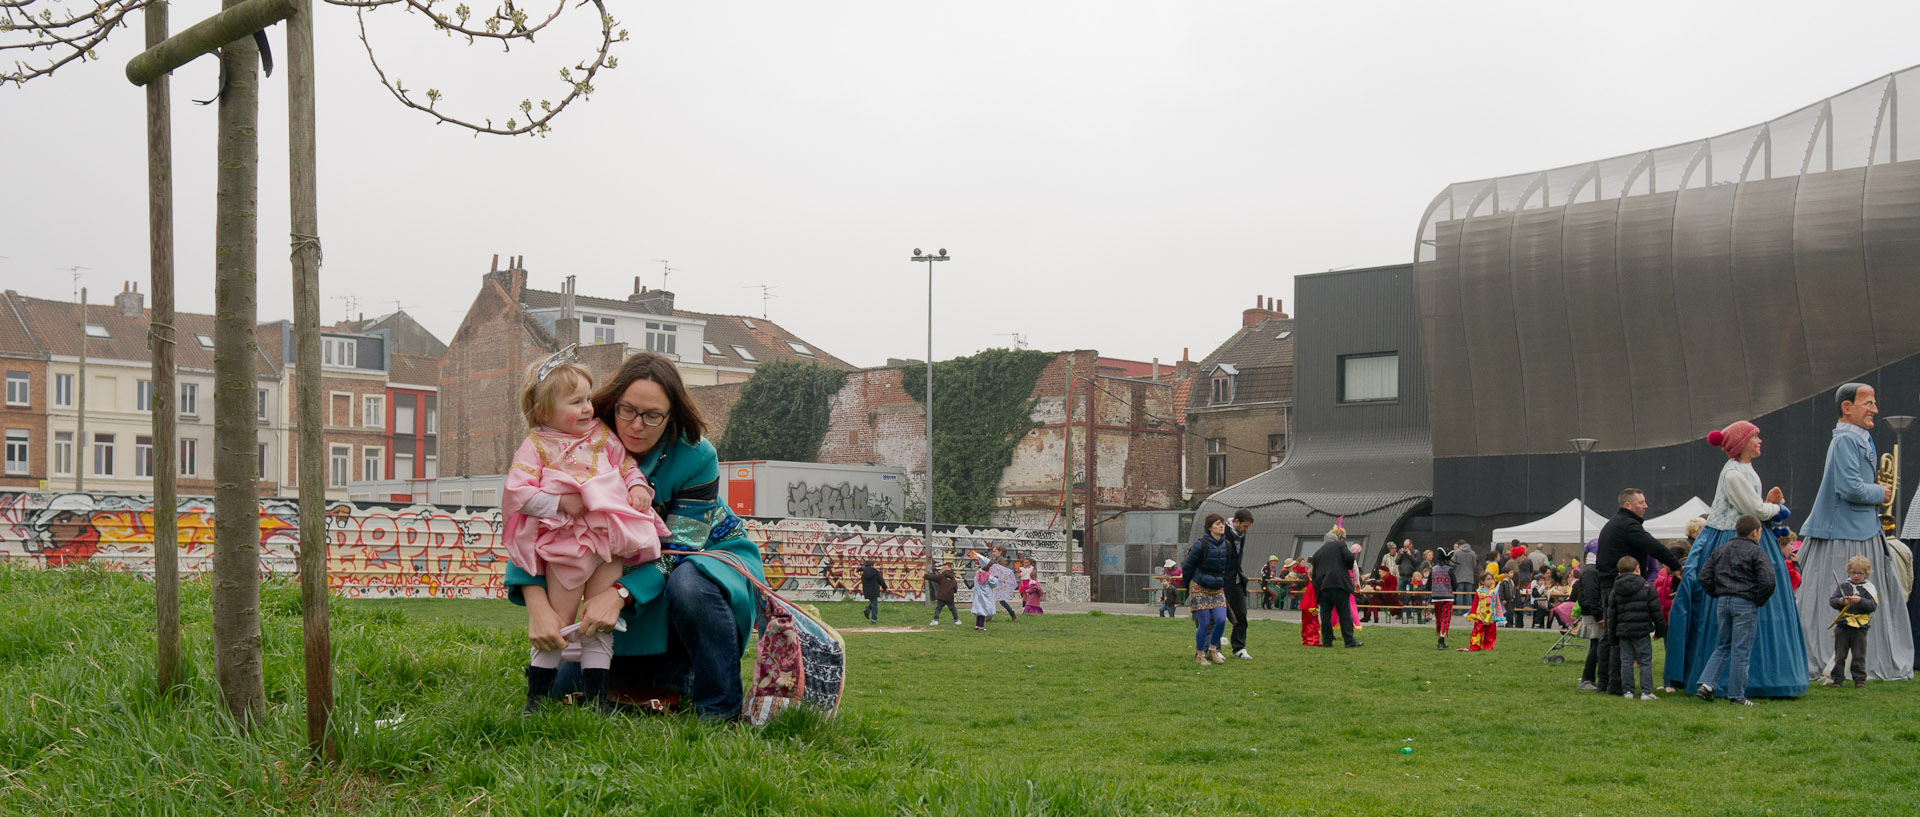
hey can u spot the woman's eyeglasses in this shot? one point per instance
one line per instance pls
(627, 414)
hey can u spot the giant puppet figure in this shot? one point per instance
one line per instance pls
(1844, 523)
(1776, 664)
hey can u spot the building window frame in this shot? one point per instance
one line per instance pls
(62, 464)
(189, 399)
(260, 405)
(19, 451)
(333, 418)
(339, 353)
(143, 457)
(189, 457)
(19, 388)
(143, 396)
(400, 472)
(1373, 387)
(373, 411)
(663, 337)
(1216, 462)
(372, 462)
(63, 390)
(339, 459)
(103, 455)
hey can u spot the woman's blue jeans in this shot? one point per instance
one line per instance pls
(1208, 626)
(703, 649)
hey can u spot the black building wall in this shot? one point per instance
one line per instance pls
(1474, 495)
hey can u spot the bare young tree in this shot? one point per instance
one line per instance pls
(45, 35)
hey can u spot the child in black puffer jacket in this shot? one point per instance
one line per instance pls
(1633, 622)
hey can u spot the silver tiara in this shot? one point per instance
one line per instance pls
(554, 360)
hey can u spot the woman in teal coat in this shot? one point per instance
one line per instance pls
(688, 618)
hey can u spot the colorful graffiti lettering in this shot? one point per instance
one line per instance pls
(387, 550)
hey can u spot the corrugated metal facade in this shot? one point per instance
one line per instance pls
(1371, 461)
(1646, 299)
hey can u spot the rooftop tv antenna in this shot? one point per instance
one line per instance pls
(353, 305)
(665, 270)
(1019, 340)
(766, 293)
(75, 272)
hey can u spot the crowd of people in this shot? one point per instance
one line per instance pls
(1727, 600)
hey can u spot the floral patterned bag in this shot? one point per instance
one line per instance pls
(800, 660)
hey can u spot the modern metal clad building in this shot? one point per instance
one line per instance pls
(1645, 299)
(1361, 446)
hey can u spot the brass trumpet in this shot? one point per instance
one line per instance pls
(1889, 475)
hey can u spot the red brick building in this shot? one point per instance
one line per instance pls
(23, 413)
(510, 326)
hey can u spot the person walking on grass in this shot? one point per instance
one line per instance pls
(944, 584)
(1440, 592)
(1740, 580)
(1169, 588)
(988, 584)
(1333, 586)
(1007, 590)
(1633, 624)
(1237, 582)
(1209, 565)
(872, 584)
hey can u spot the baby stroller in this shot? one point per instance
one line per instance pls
(1567, 636)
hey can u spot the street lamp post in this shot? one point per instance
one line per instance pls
(919, 256)
(1583, 446)
(1898, 423)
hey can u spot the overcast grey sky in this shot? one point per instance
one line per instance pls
(1120, 176)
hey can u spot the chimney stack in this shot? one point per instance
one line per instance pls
(653, 301)
(130, 302)
(496, 262)
(1264, 309)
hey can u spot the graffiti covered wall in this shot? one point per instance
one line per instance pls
(390, 550)
(843, 501)
(375, 550)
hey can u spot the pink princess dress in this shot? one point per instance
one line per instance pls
(545, 542)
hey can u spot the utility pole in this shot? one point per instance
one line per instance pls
(80, 447)
(1066, 475)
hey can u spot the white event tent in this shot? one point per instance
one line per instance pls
(1560, 527)
(1673, 524)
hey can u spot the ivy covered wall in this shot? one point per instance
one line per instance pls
(982, 406)
(782, 413)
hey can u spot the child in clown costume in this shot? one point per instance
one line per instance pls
(1486, 614)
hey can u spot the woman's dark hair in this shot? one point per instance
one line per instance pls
(683, 418)
(1208, 524)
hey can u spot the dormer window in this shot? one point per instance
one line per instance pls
(800, 349)
(744, 354)
(749, 323)
(95, 330)
(712, 349)
(205, 341)
(1222, 383)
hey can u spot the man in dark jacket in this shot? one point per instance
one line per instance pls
(1404, 564)
(1237, 582)
(872, 584)
(1740, 577)
(1333, 584)
(1623, 535)
(944, 584)
(1633, 624)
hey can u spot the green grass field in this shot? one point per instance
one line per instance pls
(1059, 715)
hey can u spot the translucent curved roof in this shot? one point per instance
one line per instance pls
(1861, 126)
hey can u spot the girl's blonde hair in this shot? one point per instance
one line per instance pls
(1860, 562)
(539, 398)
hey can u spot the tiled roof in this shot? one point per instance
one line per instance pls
(53, 324)
(15, 339)
(765, 340)
(414, 370)
(1263, 359)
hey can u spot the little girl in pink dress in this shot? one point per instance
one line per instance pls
(577, 509)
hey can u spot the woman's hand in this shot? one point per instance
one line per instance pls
(599, 613)
(1774, 497)
(640, 497)
(572, 505)
(543, 626)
